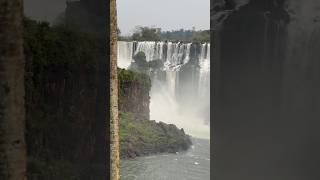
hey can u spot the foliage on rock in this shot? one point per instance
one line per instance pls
(64, 81)
(140, 136)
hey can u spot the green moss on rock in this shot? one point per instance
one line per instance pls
(129, 76)
(144, 137)
(134, 88)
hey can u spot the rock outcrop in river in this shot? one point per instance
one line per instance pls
(138, 134)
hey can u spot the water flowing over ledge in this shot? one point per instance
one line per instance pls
(173, 54)
(182, 95)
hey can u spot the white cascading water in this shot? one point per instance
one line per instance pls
(125, 54)
(183, 98)
(204, 63)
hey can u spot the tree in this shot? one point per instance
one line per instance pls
(12, 110)
(146, 34)
(114, 120)
(186, 35)
(140, 59)
(140, 63)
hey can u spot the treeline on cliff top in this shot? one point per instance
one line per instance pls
(60, 44)
(145, 33)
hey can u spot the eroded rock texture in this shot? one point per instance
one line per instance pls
(266, 102)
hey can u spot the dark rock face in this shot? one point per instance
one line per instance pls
(66, 104)
(64, 119)
(266, 82)
(135, 96)
(67, 95)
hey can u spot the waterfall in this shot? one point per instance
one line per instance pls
(183, 96)
(177, 55)
(125, 52)
(204, 63)
(148, 48)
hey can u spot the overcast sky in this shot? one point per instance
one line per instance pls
(165, 14)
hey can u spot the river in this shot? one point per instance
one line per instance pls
(193, 164)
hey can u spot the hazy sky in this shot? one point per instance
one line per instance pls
(165, 14)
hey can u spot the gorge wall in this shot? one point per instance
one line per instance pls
(134, 93)
(66, 103)
(67, 94)
(266, 102)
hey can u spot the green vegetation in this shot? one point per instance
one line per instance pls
(155, 34)
(128, 76)
(142, 137)
(132, 77)
(146, 34)
(138, 135)
(186, 35)
(140, 64)
(134, 88)
(62, 69)
(59, 45)
(132, 129)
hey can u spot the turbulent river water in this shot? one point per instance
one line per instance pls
(191, 165)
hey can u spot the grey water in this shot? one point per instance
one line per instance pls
(193, 164)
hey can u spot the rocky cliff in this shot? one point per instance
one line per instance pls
(134, 93)
(138, 134)
(66, 103)
(266, 78)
